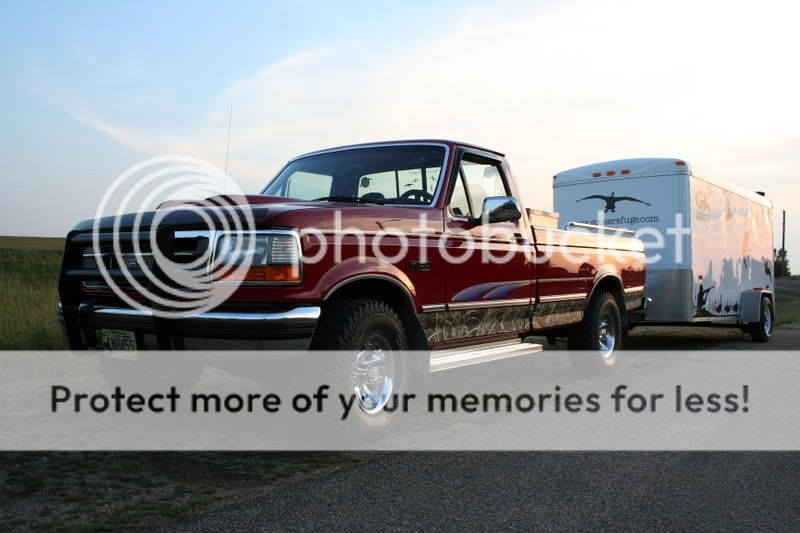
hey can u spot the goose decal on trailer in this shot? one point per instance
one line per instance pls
(611, 201)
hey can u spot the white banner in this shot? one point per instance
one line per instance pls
(709, 400)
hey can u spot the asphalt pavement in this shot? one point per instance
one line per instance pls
(533, 491)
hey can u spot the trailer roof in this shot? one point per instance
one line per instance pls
(646, 167)
(627, 168)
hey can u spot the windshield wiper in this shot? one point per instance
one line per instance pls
(353, 199)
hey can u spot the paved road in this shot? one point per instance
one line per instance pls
(550, 491)
(525, 491)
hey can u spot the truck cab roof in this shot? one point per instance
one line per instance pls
(445, 142)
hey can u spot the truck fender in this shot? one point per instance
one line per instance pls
(608, 277)
(350, 277)
(352, 270)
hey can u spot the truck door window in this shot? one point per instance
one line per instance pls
(483, 180)
(308, 185)
(459, 204)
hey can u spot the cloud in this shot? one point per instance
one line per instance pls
(554, 85)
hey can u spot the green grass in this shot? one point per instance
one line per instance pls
(788, 307)
(28, 299)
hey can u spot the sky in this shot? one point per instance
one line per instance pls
(91, 88)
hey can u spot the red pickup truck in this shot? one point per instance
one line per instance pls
(406, 245)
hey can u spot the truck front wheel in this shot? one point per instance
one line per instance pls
(599, 335)
(379, 369)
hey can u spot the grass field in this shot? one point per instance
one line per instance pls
(788, 303)
(28, 300)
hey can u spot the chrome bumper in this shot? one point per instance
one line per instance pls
(291, 328)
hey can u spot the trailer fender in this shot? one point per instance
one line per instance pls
(750, 305)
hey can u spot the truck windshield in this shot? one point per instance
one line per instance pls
(402, 174)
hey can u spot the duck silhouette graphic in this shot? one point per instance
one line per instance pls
(611, 201)
(700, 304)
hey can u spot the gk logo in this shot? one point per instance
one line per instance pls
(701, 201)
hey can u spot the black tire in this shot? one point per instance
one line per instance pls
(761, 331)
(366, 327)
(596, 341)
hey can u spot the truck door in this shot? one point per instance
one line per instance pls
(564, 267)
(488, 271)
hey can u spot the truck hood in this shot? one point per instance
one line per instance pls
(263, 209)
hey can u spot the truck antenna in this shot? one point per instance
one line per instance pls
(227, 151)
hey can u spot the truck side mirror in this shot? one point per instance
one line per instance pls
(498, 209)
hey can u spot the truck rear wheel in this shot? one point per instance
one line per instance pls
(379, 370)
(598, 338)
(761, 331)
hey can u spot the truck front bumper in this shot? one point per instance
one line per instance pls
(285, 329)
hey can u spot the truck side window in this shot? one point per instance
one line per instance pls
(459, 204)
(483, 180)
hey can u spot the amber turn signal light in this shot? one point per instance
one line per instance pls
(265, 273)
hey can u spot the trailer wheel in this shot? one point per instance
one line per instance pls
(598, 338)
(379, 370)
(761, 331)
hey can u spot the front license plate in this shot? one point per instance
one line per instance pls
(119, 343)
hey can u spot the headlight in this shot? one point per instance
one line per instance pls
(272, 257)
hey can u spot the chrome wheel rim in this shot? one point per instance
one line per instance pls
(606, 336)
(767, 320)
(373, 375)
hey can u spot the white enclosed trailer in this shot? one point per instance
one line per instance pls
(715, 266)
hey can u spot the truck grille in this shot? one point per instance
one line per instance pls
(183, 247)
